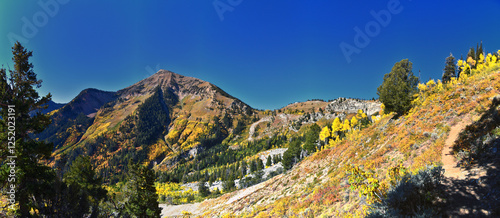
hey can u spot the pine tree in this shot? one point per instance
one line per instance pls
(479, 51)
(260, 164)
(253, 166)
(292, 155)
(398, 89)
(471, 53)
(203, 189)
(244, 168)
(19, 97)
(269, 161)
(228, 185)
(83, 176)
(449, 69)
(312, 136)
(143, 200)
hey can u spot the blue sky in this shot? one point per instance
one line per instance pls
(267, 53)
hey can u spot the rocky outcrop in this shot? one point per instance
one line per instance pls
(348, 105)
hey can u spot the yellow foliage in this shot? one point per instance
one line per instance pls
(431, 83)
(439, 87)
(336, 125)
(354, 121)
(471, 61)
(325, 133)
(186, 214)
(175, 192)
(8, 210)
(382, 108)
(228, 215)
(346, 126)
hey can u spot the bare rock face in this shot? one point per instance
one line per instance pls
(348, 105)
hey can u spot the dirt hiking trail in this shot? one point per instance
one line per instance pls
(475, 191)
(449, 162)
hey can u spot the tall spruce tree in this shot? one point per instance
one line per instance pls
(82, 175)
(398, 89)
(19, 97)
(479, 50)
(472, 53)
(450, 69)
(203, 190)
(142, 198)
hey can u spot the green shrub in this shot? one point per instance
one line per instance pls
(413, 196)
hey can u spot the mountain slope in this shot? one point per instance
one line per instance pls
(71, 120)
(319, 184)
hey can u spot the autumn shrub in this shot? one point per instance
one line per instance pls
(415, 195)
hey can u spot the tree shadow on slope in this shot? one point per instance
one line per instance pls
(478, 194)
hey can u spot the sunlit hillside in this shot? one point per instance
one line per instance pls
(346, 177)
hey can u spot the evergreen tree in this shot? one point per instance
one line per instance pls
(479, 51)
(398, 89)
(471, 53)
(82, 175)
(269, 162)
(292, 155)
(142, 198)
(312, 136)
(244, 168)
(449, 69)
(203, 190)
(260, 164)
(228, 185)
(19, 97)
(253, 166)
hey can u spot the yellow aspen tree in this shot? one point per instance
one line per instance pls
(359, 114)
(336, 128)
(346, 127)
(325, 133)
(354, 122)
(336, 125)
